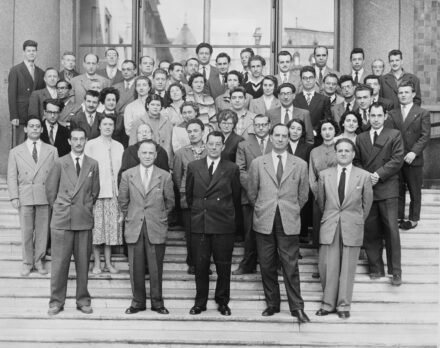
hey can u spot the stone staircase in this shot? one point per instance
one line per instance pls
(382, 315)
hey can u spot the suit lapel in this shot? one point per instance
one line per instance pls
(85, 169)
(26, 155)
(218, 174)
(27, 74)
(378, 146)
(413, 113)
(287, 170)
(254, 146)
(44, 151)
(391, 81)
(333, 184)
(268, 166)
(136, 179)
(354, 178)
(70, 170)
(155, 179)
(203, 172)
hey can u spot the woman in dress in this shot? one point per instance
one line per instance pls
(223, 101)
(174, 98)
(254, 85)
(136, 109)
(109, 97)
(268, 100)
(351, 125)
(107, 229)
(206, 103)
(189, 110)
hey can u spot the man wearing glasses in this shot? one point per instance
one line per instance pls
(64, 93)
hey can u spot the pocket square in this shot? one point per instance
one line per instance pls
(358, 187)
(90, 174)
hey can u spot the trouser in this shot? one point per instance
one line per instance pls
(249, 262)
(186, 220)
(411, 178)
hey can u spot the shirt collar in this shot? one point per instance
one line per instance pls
(209, 160)
(378, 131)
(312, 93)
(31, 142)
(81, 157)
(348, 168)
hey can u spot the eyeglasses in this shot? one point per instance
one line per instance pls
(286, 94)
(62, 87)
(308, 78)
(261, 125)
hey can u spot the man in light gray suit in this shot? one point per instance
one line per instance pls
(28, 166)
(345, 195)
(146, 197)
(126, 87)
(72, 189)
(278, 188)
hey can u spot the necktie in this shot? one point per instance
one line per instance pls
(145, 182)
(224, 80)
(78, 168)
(285, 78)
(375, 137)
(320, 76)
(262, 146)
(356, 78)
(90, 120)
(204, 72)
(52, 141)
(279, 169)
(211, 169)
(404, 112)
(364, 116)
(126, 86)
(347, 107)
(309, 98)
(341, 187)
(34, 152)
(32, 71)
(286, 117)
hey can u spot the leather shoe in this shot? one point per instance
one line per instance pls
(161, 310)
(25, 270)
(315, 275)
(301, 316)
(134, 310)
(344, 314)
(396, 280)
(196, 310)
(322, 312)
(376, 275)
(191, 270)
(85, 309)
(269, 311)
(55, 310)
(224, 309)
(240, 271)
(40, 268)
(408, 225)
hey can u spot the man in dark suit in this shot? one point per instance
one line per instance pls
(380, 152)
(68, 62)
(364, 99)
(72, 189)
(23, 79)
(257, 144)
(54, 133)
(217, 84)
(39, 96)
(126, 87)
(396, 77)
(285, 74)
(345, 196)
(317, 104)
(374, 82)
(287, 111)
(349, 104)
(69, 110)
(415, 125)
(88, 119)
(210, 73)
(357, 60)
(146, 197)
(278, 188)
(111, 71)
(320, 53)
(213, 195)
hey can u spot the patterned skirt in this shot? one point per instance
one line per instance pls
(107, 230)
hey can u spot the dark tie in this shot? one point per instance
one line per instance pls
(52, 141)
(262, 146)
(320, 76)
(341, 187)
(224, 79)
(78, 168)
(286, 117)
(374, 138)
(348, 107)
(34, 152)
(356, 78)
(279, 169)
(204, 72)
(364, 116)
(309, 98)
(211, 169)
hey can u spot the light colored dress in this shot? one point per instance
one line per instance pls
(133, 112)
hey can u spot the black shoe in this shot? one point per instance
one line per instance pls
(408, 225)
(300, 315)
(240, 271)
(191, 270)
(315, 275)
(300, 256)
(85, 309)
(376, 275)
(396, 280)
(224, 309)
(197, 310)
(344, 314)
(269, 311)
(55, 310)
(134, 310)
(160, 310)
(322, 312)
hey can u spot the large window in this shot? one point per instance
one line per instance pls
(171, 29)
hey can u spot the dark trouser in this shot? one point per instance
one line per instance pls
(186, 220)
(411, 177)
(64, 243)
(317, 215)
(20, 135)
(249, 262)
(137, 254)
(307, 216)
(220, 246)
(382, 224)
(288, 250)
(337, 269)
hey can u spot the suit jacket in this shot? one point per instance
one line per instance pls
(116, 79)
(231, 144)
(151, 206)
(385, 158)
(36, 102)
(302, 150)
(258, 106)
(386, 102)
(81, 83)
(125, 97)
(353, 211)
(248, 125)
(216, 88)
(80, 120)
(20, 87)
(319, 107)
(416, 130)
(339, 109)
(302, 114)
(61, 139)
(72, 197)
(62, 75)
(265, 194)
(214, 202)
(294, 79)
(27, 179)
(223, 101)
(327, 70)
(337, 100)
(69, 110)
(388, 88)
(213, 74)
(247, 151)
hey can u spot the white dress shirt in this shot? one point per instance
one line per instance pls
(210, 160)
(74, 157)
(378, 131)
(275, 159)
(207, 70)
(360, 73)
(405, 109)
(347, 175)
(283, 112)
(30, 146)
(293, 145)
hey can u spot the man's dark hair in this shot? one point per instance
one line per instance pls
(223, 55)
(129, 61)
(204, 45)
(377, 105)
(371, 77)
(314, 50)
(284, 85)
(77, 129)
(216, 134)
(91, 54)
(68, 84)
(307, 68)
(248, 50)
(92, 93)
(196, 121)
(277, 125)
(33, 118)
(362, 87)
(345, 140)
(356, 51)
(395, 53)
(345, 78)
(331, 75)
(30, 43)
(173, 65)
(56, 102)
(148, 141)
(283, 53)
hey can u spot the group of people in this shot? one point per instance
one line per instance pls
(112, 157)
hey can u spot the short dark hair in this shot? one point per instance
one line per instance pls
(192, 104)
(148, 141)
(227, 114)
(395, 53)
(345, 78)
(238, 89)
(196, 121)
(257, 57)
(91, 54)
(236, 73)
(283, 53)
(49, 69)
(274, 80)
(173, 65)
(261, 116)
(204, 45)
(111, 49)
(92, 93)
(333, 75)
(191, 58)
(362, 87)
(284, 85)
(106, 91)
(56, 102)
(345, 140)
(33, 118)
(377, 105)
(30, 43)
(223, 55)
(160, 71)
(371, 77)
(407, 84)
(357, 50)
(216, 134)
(129, 61)
(141, 78)
(104, 116)
(314, 50)
(277, 125)
(300, 122)
(307, 68)
(358, 118)
(153, 97)
(142, 57)
(69, 85)
(194, 76)
(77, 129)
(324, 121)
(248, 50)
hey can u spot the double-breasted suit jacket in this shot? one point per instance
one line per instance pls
(353, 211)
(151, 206)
